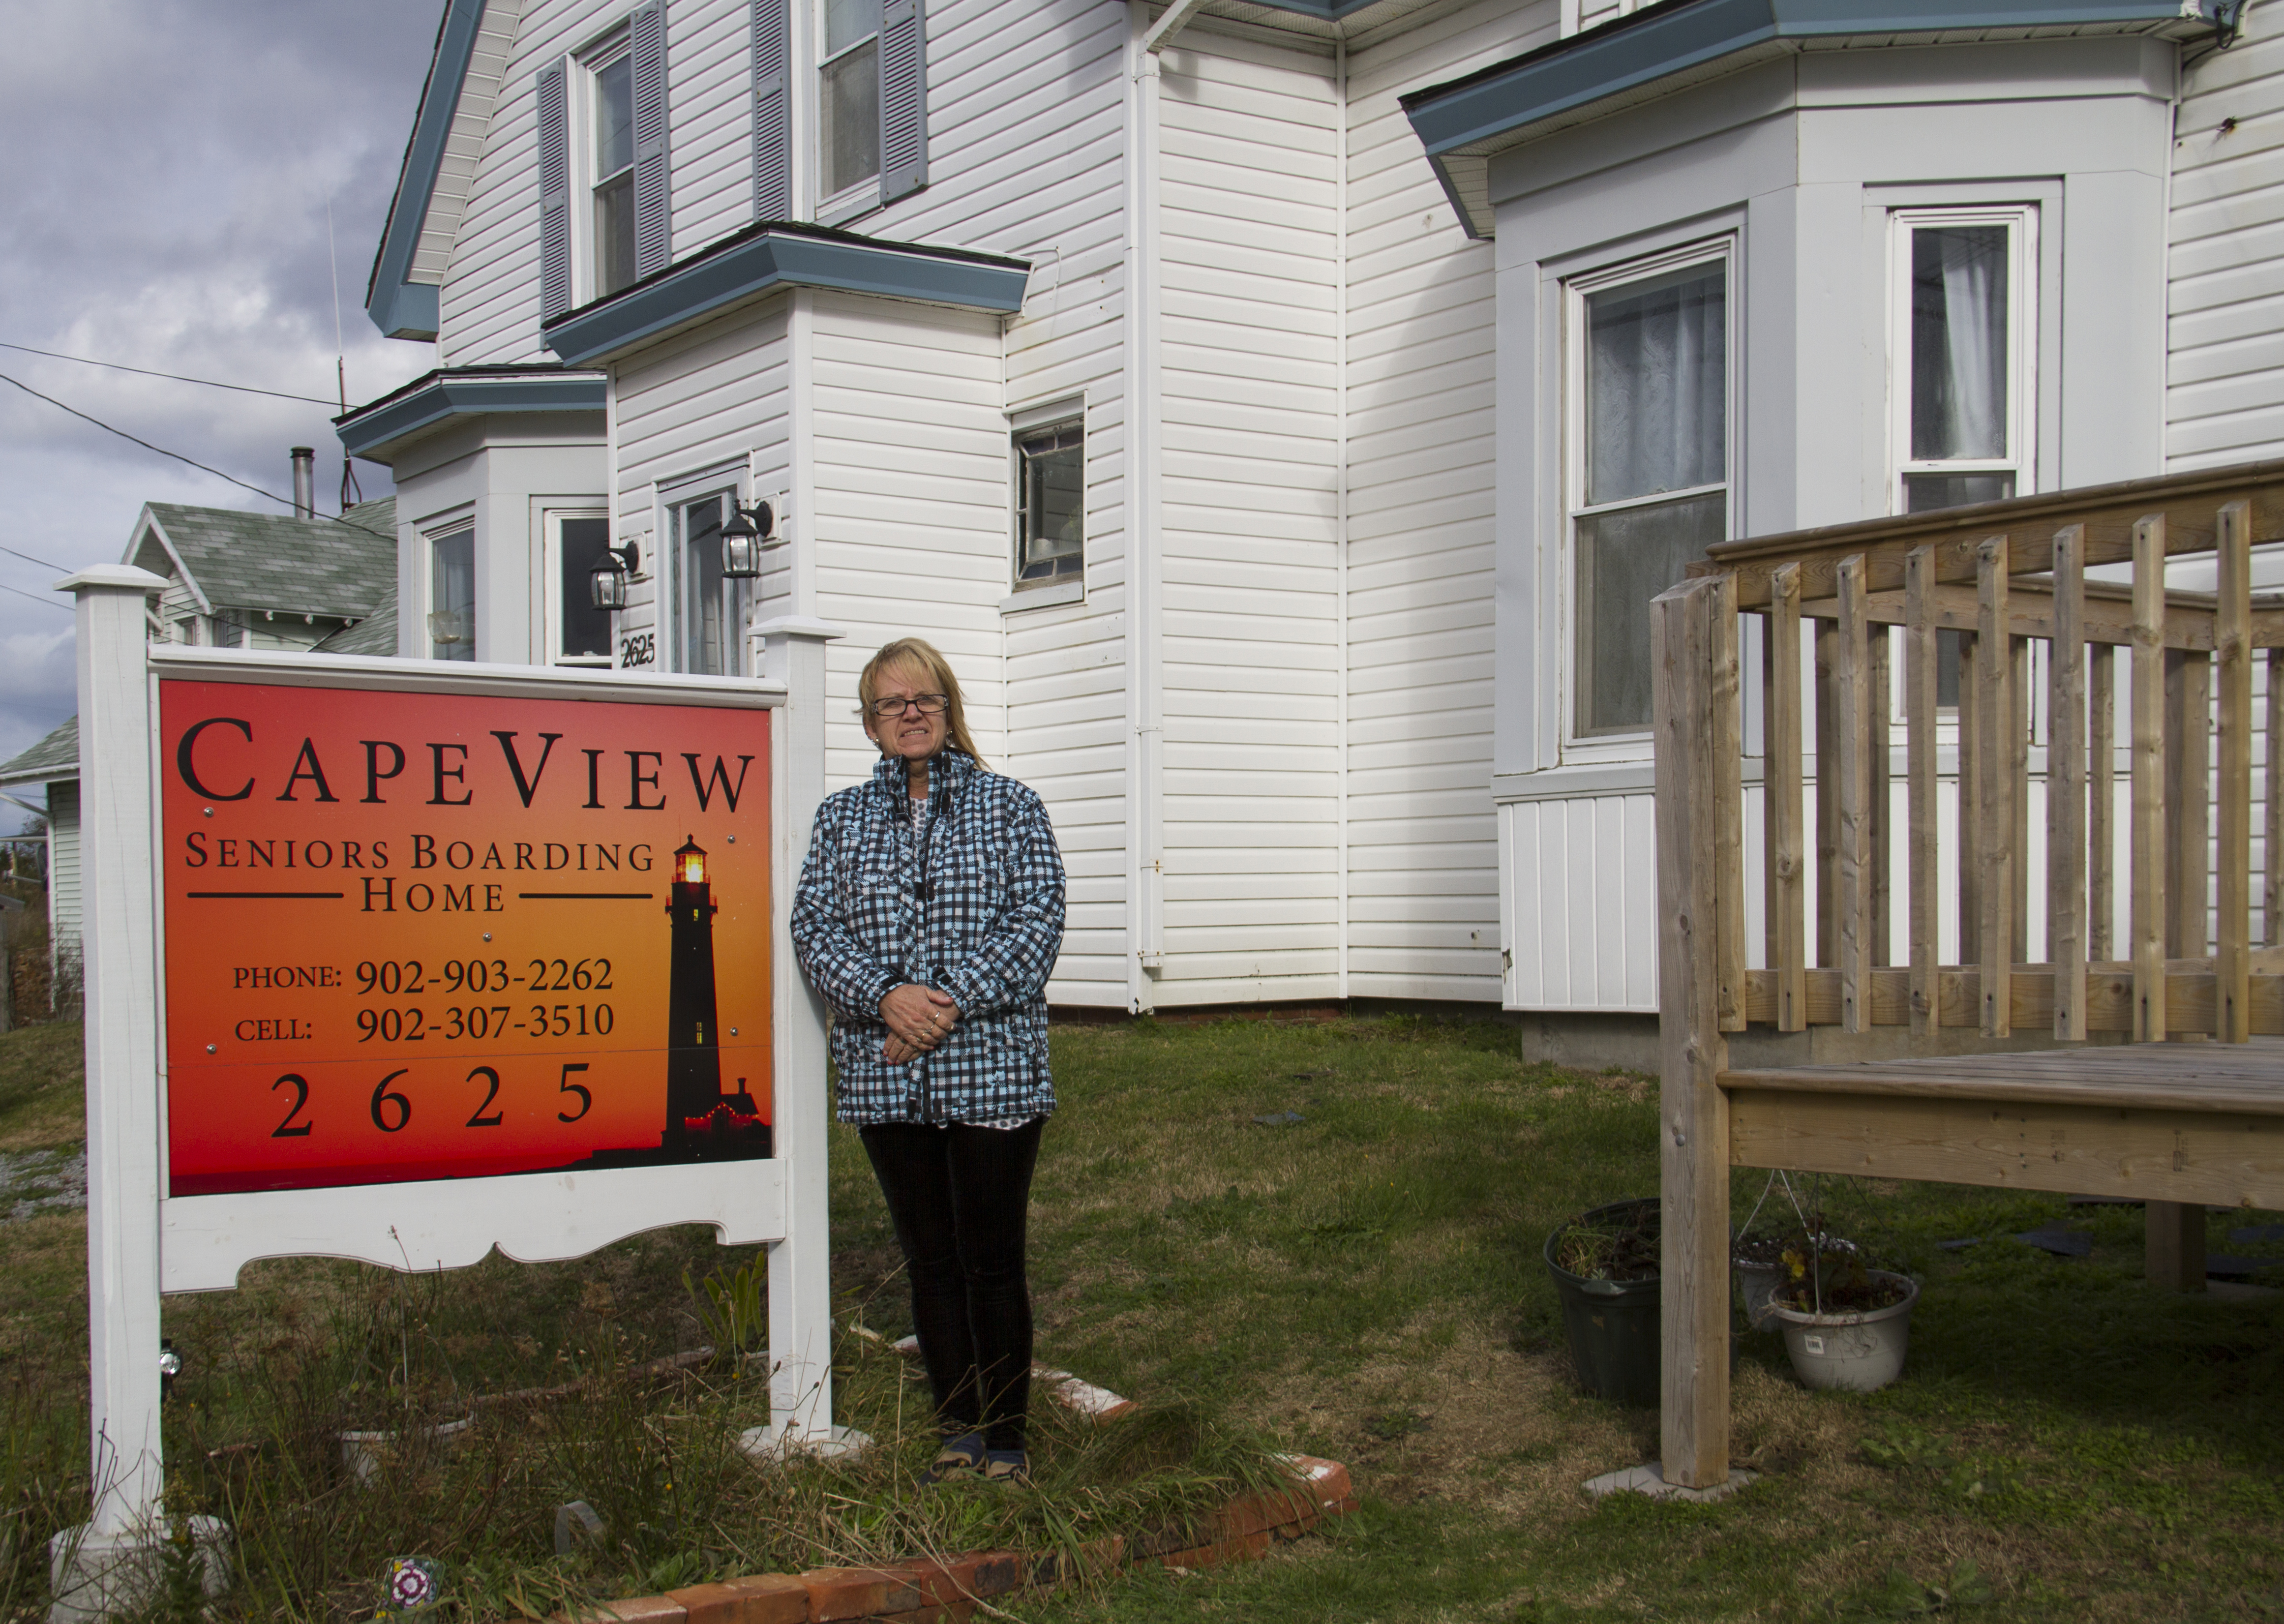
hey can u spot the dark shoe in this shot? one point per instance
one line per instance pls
(960, 1457)
(1006, 1466)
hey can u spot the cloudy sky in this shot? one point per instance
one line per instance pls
(166, 209)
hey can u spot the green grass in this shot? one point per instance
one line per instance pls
(1363, 1284)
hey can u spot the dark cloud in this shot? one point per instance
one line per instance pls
(166, 208)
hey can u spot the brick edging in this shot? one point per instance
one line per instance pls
(926, 1591)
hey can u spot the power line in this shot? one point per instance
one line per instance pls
(28, 558)
(174, 377)
(232, 479)
(53, 603)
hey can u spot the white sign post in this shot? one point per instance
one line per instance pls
(146, 1236)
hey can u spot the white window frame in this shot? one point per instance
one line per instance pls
(614, 46)
(1067, 586)
(551, 586)
(2022, 381)
(432, 531)
(1629, 746)
(671, 617)
(858, 196)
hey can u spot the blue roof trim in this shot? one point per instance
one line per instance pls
(1684, 34)
(431, 400)
(765, 257)
(400, 308)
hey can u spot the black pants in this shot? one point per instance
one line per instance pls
(959, 1196)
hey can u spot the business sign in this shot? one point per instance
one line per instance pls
(414, 935)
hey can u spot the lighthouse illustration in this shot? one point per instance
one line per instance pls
(702, 1121)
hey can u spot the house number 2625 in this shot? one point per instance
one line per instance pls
(641, 649)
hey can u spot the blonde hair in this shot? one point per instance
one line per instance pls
(916, 652)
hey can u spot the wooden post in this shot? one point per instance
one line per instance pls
(2272, 812)
(2188, 802)
(2101, 803)
(1970, 755)
(1994, 821)
(1850, 691)
(1693, 1140)
(1729, 808)
(1920, 652)
(1788, 887)
(2174, 1245)
(1827, 795)
(1879, 682)
(2066, 788)
(2232, 860)
(2018, 794)
(2146, 878)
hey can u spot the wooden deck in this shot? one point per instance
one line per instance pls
(2156, 921)
(2179, 1122)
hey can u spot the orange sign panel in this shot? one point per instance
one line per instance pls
(420, 936)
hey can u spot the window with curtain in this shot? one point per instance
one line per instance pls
(1965, 383)
(452, 595)
(1964, 327)
(1650, 476)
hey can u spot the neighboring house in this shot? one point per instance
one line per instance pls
(1283, 410)
(234, 580)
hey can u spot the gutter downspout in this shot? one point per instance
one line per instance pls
(1146, 807)
(1340, 498)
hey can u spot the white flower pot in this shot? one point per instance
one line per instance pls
(1856, 1351)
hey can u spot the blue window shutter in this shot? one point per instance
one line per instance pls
(646, 46)
(772, 111)
(555, 193)
(903, 98)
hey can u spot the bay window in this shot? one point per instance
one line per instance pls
(1964, 325)
(1649, 456)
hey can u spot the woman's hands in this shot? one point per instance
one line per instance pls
(918, 1019)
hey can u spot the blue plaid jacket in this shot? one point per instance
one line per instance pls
(979, 914)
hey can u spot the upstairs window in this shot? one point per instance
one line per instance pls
(1051, 504)
(848, 96)
(610, 191)
(1964, 325)
(452, 595)
(1648, 433)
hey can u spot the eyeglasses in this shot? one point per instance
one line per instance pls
(928, 705)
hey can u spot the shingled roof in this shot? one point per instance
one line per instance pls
(56, 756)
(374, 635)
(339, 567)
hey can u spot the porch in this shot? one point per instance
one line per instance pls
(2149, 933)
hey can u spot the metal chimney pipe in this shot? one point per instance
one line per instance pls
(305, 482)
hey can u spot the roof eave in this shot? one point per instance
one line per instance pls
(765, 259)
(400, 308)
(379, 431)
(147, 524)
(1511, 103)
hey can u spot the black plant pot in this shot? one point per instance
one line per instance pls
(1613, 1324)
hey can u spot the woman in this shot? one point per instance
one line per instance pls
(929, 912)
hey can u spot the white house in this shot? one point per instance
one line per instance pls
(1282, 411)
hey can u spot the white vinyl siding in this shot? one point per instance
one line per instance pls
(712, 399)
(65, 902)
(709, 53)
(1250, 538)
(1580, 884)
(2224, 402)
(909, 522)
(1423, 843)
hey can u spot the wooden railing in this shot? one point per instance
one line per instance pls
(2199, 951)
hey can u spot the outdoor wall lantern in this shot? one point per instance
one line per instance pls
(743, 537)
(606, 583)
